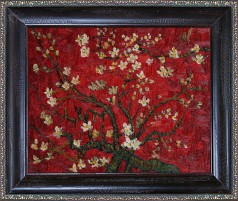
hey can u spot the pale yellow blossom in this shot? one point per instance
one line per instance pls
(35, 68)
(104, 161)
(174, 117)
(66, 86)
(82, 39)
(136, 65)
(48, 92)
(52, 101)
(112, 100)
(131, 144)
(43, 115)
(149, 61)
(178, 143)
(48, 120)
(77, 143)
(49, 156)
(95, 133)
(162, 59)
(114, 52)
(101, 55)
(112, 90)
(144, 101)
(141, 75)
(73, 168)
(173, 53)
(44, 146)
(85, 51)
(75, 80)
(123, 65)
(109, 133)
(36, 159)
(94, 162)
(127, 129)
(165, 72)
(135, 144)
(67, 71)
(100, 69)
(199, 104)
(132, 58)
(87, 126)
(199, 59)
(136, 48)
(81, 164)
(35, 145)
(196, 48)
(58, 132)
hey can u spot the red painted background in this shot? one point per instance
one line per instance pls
(188, 148)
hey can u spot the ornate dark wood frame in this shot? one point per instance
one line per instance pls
(20, 182)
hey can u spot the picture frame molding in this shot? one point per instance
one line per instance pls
(5, 154)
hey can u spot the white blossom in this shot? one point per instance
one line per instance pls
(82, 39)
(112, 90)
(132, 58)
(149, 61)
(81, 164)
(165, 72)
(104, 161)
(35, 68)
(87, 126)
(77, 143)
(199, 59)
(52, 101)
(136, 65)
(173, 53)
(75, 80)
(36, 159)
(144, 101)
(67, 71)
(141, 75)
(127, 129)
(123, 65)
(196, 48)
(94, 162)
(114, 52)
(66, 86)
(35, 145)
(131, 144)
(44, 146)
(73, 168)
(85, 51)
(48, 120)
(48, 92)
(58, 132)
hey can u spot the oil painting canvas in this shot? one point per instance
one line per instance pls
(119, 100)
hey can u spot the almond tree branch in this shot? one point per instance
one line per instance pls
(151, 112)
(88, 99)
(88, 146)
(162, 134)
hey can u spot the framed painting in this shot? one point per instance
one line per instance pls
(119, 100)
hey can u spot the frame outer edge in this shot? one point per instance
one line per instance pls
(2, 100)
(205, 3)
(235, 102)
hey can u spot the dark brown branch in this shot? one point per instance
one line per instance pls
(88, 146)
(40, 133)
(125, 112)
(174, 98)
(93, 100)
(162, 134)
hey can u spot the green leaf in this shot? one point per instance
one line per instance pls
(167, 168)
(154, 165)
